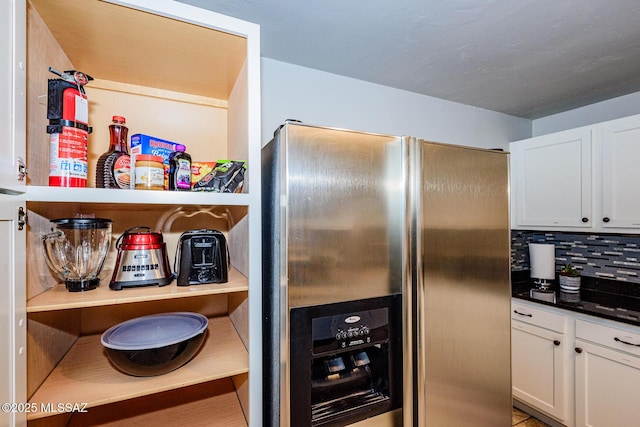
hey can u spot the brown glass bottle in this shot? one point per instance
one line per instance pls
(114, 167)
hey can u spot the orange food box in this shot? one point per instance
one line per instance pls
(200, 169)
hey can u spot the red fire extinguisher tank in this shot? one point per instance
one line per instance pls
(68, 129)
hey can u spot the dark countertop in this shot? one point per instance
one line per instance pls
(609, 299)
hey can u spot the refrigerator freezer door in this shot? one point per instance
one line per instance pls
(461, 286)
(344, 195)
(334, 231)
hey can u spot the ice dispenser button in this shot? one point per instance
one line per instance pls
(334, 365)
(361, 359)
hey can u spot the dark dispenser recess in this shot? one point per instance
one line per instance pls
(346, 361)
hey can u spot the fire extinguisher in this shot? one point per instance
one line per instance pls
(68, 129)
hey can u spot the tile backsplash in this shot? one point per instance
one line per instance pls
(609, 256)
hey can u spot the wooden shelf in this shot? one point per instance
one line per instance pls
(35, 193)
(191, 406)
(59, 298)
(105, 27)
(158, 93)
(85, 375)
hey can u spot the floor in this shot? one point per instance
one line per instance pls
(522, 419)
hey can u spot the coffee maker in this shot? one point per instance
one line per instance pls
(542, 261)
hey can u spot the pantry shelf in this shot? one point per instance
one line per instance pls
(190, 406)
(59, 298)
(85, 374)
(36, 193)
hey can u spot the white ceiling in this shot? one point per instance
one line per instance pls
(528, 58)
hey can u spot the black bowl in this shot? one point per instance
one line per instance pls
(154, 345)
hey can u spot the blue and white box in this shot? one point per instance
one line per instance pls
(145, 144)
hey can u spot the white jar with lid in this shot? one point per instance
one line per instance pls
(149, 170)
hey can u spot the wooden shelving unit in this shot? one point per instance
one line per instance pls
(179, 73)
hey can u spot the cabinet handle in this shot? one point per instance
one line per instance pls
(556, 342)
(606, 219)
(625, 342)
(585, 219)
(578, 350)
(522, 314)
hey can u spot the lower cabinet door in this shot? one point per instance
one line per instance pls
(607, 387)
(539, 369)
(13, 395)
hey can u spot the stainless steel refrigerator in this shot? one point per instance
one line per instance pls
(386, 281)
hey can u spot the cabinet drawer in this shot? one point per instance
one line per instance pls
(545, 319)
(609, 336)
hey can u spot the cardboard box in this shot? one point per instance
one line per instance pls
(200, 169)
(145, 144)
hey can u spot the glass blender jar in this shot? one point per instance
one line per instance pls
(76, 249)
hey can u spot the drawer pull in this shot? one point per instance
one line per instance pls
(522, 314)
(556, 342)
(625, 342)
(578, 350)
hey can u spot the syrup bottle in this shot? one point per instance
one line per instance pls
(180, 170)
(114, 167)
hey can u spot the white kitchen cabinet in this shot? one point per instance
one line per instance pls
(540, 352)
(619, 148)
(176, 72)
(583, 179)
(551, 178)
(597, 377)
(607, 375)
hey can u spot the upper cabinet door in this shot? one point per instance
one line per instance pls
(551, 178)
(620, 151)
(12, 93)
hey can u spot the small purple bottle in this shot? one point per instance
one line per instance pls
(180, 170)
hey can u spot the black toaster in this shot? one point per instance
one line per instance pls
(202, 257)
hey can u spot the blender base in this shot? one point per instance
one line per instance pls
(81, 285)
